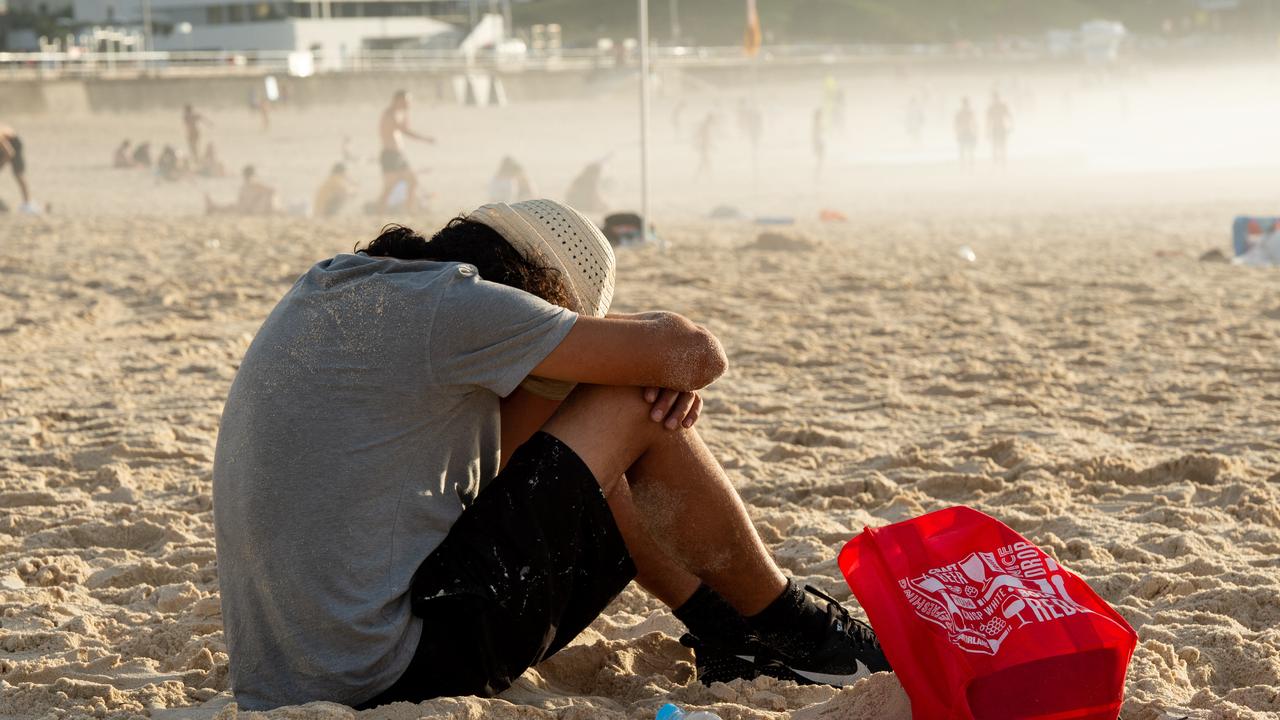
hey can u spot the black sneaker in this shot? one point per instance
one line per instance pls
(717, 663)
(849, 652)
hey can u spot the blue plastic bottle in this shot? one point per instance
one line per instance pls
(671, 712)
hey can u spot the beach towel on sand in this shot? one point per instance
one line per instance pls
(978, 623)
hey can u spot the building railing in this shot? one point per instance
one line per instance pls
(186, 63)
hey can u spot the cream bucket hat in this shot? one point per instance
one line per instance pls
(559, 237)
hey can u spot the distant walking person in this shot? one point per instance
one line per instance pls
(999, 126)
(11, 154)
(704, 141)
(819, 141)
(915, 119)
(966, 126)
(392, 128)
(191, 120)
(751, 123)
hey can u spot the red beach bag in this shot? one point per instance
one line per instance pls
(979, 624)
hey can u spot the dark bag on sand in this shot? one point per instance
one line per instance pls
(622, 228)
(979, 624)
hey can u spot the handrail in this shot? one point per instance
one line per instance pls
(80, 64)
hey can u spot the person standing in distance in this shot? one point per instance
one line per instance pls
(393, 127)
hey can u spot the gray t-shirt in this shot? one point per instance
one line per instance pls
(363, 420)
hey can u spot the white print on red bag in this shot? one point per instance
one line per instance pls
(980, 600)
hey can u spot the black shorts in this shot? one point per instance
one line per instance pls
(534, 560)
(393, 161)
(19, 160)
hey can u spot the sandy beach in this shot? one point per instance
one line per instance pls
(1088, 380)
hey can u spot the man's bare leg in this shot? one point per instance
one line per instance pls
(388, 184)
(22, 188)
(411, 191)
(213, 208)
(523, 413)
(695, 518)
(656, 572)
(682, 495)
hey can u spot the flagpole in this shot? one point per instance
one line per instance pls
(644, 123)
(751, 44)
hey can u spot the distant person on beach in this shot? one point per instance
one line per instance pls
(393, 127)
(999, 126)
(704, 142)
(123, 157)
(966, 129)
(191, 121)
(142, 154)
(169, 166)
(260, 105)
(833, 105)
(333, 193)
(510, 183)
(915, 119)
(254, 198)
(819, 138)
(210, 165)
(751, 122)
(12, 154)
(441, 459)
(585, 191)
(829, 87)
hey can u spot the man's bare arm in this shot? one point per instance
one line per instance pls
(403, 127)
(523, 413)
(660, 349)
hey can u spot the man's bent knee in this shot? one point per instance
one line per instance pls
(609, 428)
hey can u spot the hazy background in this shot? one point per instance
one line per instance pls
(1186, 113)
(1176, 134)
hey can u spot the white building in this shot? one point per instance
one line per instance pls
(331, 29)
(43, 7)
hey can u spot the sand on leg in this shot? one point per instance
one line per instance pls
(682, 496)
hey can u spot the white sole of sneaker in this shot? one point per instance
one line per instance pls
(835, 680)
(820, 678)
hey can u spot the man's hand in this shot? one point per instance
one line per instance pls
(673, 408)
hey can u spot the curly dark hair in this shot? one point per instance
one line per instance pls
(463, 240)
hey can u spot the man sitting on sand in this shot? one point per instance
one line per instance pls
(333, 193)
(440, 461)
(11, 154)
(123, 157)
(585, 191)
(209, 164)
(169, 166)
(142, 154)
(255, 198)
(510, 183)
(392, 127)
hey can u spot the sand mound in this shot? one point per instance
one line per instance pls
(782, 242)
